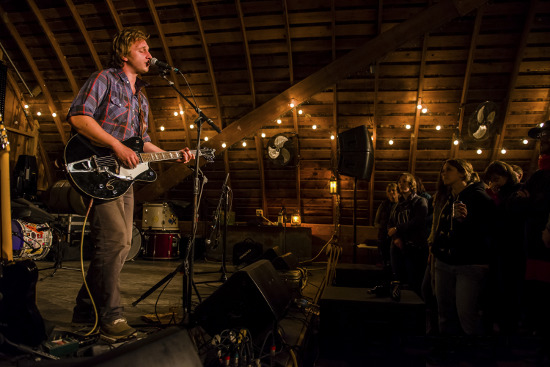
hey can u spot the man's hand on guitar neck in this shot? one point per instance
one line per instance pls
(187, 155)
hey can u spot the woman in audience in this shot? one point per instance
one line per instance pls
(381, 222)
(461, 245)
(507, 255)
(407, 228)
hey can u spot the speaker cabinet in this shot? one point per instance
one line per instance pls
(253, 298)
(356, 153)
(169, 347)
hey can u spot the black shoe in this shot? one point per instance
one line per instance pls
(83, 316)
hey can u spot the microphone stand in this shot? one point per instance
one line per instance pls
(187, 263)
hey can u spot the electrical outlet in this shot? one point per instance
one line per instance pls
(259, 213)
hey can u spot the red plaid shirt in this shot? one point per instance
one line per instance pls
(107, 97)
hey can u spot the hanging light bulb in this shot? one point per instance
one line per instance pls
(191, 126)
(503, 151)
(263, 135)
(300, 112)
(408, 126)
(332, 137)
(525, 141)
(291, 104)
(479, 151)
(244, 143)
(175, 113)
(39, 113)
(424, 110)
(314, 127)
(26, 106)
(418, 106)
(390, 142)
(438, 127)
(206, 138)
(162, 128)
(279, 121)
(181, 112)
(54, 114)
(455, 142)
(224, 145)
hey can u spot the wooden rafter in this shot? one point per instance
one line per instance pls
(114, 15)
(261, 168)
(467, 77)
(423, 22)
(55, 45)
(37, 74)
(288, 41)
(333, 145)
(513, 78)
(167, 54)
(78, 20)
(416, 128)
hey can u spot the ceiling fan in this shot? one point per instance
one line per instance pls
(281, 150)
(483, 123)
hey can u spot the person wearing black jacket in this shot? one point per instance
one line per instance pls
(381, 222)
(461, 246)
(407, 228)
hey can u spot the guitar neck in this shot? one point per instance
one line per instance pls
(163, 156)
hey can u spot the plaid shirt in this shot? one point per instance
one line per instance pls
(107, 98)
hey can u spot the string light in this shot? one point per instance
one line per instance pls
(438, 127)
(332, 137)
(206, 138)
(300, 112)
(39, 113)
(224, 145)
(390, 142)
(424, 110)
(162, 128)
(181, 112)
(455, 142)
(479, 151)
(26, 106)
(503, 151)
(54, 114)
(408, 126)
(244, 143)
(279, 121)
(419, 107)
(314, 127)
(175, 113)
(291, 104)
(191, 126)
(263, 135)
(525, 141)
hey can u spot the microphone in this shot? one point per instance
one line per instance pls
(162, 65)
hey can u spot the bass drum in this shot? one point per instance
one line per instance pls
(135, 249)
(30, 240)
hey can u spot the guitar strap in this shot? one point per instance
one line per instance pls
(141, 118)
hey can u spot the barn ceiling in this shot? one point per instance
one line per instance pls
(342, 63)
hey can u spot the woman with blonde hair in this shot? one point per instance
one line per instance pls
(461, 245)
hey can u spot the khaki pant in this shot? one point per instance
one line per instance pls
(111, 232)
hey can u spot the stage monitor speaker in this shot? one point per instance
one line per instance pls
(254, 298)
(356, 153)
(169, 347)
(288, 261)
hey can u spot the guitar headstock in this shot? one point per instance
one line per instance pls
(208, 154)
(4, 143)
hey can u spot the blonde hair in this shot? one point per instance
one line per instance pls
(122, 43)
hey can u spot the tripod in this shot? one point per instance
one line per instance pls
(224, 199)
(58, 251)
(186, 265)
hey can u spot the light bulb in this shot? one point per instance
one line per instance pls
(291, 105)
(332, 137)
(206, 138)
(424, 110)
(162, 128)
(300, 112)
(455, 142)
(408, 126)
(54, 114)
(438, 127)
(419, 107)
(503, 151)
(479, 151)
(39, 113)
(175, 113)
(314, 127)
(191, 126)
(525, 141)
(279, 121)
(224, 145)
(244, 143)
(263, 135)
(181, 112)
(390, 142)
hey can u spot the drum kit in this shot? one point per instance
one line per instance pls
(161, 237)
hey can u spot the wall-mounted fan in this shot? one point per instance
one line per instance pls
(483, 123)
(281, 150)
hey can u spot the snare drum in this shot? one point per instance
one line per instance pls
(161, 245)
(30, 240)
(159, 216)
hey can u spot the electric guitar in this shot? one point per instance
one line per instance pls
(20, 320)
(96, 172)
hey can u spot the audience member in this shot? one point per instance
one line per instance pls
(407, 228)
(381, 222)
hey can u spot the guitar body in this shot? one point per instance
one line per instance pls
(96, 173)
(20, 319)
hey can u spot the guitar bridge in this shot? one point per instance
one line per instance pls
(91, 165)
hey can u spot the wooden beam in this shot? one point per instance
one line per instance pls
(416, 127)
(181, 104)
(37, 74)
(114, 15)
(425, 21)
(247, 53)
(513, 78)
(467, 77)
(288, 41)
(55, 45)
(78, 19)
(261, 168)
(333, 143)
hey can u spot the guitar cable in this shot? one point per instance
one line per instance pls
(95, 329)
